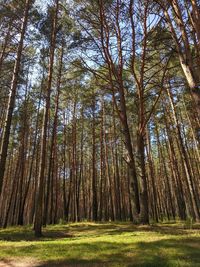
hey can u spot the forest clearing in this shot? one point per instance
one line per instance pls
(99, 132)
(102, 244)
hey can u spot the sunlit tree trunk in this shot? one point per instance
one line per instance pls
(12, 96)
(39, 201)
(53, 139)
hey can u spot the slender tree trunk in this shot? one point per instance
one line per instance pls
(53, 139)
(185, 57)
(194, 199)
(94, 178)
(39, 201)
(152, 176)
(12, 96)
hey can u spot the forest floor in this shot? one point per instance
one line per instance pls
(102, 244)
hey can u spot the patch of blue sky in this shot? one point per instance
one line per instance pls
(42, 4)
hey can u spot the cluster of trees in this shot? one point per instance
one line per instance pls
(100, 108)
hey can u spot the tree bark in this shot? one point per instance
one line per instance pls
(12, 96)
(39, 201)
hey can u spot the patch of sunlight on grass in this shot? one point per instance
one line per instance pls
(105, 244)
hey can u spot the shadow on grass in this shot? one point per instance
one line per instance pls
(117, 229)
(27, 234)
(172, 250)
(87, 229)
(162, 253)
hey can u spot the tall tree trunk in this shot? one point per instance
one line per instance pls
(185, 57)
(39, 201)
(94, 172)
(12, 96)
(53, 138)
(194, 199)
(152, 177)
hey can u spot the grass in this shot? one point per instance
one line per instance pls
(104, 244)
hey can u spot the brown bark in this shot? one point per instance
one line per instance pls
(12, 96)
(121, 109)
(185, 57)
(39, 201)
(189, 177)
(53, 139)
(94, 171)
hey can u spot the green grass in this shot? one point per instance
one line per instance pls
(109, 244)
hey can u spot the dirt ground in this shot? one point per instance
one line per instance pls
(19, 263)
